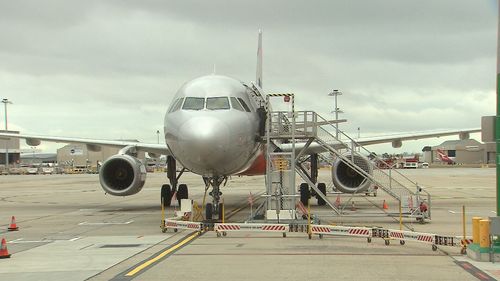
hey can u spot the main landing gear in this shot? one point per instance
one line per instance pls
(306, 193)
(214, 208)
(168, 190)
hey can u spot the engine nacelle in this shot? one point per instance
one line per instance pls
(122, 175)
(348, 180)
(397, 143)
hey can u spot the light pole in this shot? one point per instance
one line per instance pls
(158, 136)
(337, 110)
(5, 102)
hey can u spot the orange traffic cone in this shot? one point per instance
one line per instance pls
(385, 206)
(337, 202)
(13, 226)
(4, 254)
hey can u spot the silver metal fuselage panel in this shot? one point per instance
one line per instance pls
(213, 142)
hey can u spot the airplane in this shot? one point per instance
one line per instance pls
(445, 158)
(214, 127)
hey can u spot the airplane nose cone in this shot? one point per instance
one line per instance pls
(205, 143)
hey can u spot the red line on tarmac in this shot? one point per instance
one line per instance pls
(474, 271)
(482, 276)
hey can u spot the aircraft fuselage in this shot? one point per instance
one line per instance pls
(212, 126)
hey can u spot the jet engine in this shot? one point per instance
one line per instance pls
(122, 175)
(347, 179)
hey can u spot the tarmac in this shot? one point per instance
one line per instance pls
(70, 230)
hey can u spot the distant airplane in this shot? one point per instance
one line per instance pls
(214, 127)
(445, 158)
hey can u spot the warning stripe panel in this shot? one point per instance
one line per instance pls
(273, 227)
(322, 229)
(182, 224)
(357, 231)
(466, 241)
(228, 227)
(399, 235)
(425, 238)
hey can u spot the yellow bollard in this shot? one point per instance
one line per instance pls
(309, 230)
(475, 229)
(463, 224)
(223, 212)
(162, 224)
(484, 233)
(400, 217)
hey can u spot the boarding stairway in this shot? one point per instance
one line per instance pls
(298, 133)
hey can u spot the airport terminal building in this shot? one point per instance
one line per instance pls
(79, 155)
(467, 151)
(12, 147)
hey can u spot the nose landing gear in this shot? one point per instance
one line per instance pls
(216, 206)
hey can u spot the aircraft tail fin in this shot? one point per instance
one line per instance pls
(258, 79)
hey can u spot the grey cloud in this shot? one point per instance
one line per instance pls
(403, 65)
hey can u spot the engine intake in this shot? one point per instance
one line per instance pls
(348, 180)
(122, 175)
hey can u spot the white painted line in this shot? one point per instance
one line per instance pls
(13, 241)
(105, 223)
(74, 239)
(100, 210)
(18, 241)
(467, 212)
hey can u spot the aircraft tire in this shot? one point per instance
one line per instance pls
(208, 211)
(182, 193)
(221, 210)
(166, 195)
(304, 193)
(322, 188)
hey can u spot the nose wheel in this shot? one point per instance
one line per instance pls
(211, 209)
(214, 208)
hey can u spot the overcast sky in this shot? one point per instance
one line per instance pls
(108, 69)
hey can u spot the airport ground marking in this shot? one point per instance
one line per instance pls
(106, 223)
(163, 254)
(474, 271)
(22, 241)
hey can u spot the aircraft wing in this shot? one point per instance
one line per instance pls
(395, 139)
(463, 134)
(34, 140)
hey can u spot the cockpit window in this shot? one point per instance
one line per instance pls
(194, 103)
(236, 105)
(217, 103)
(247, 109)
(176, 105)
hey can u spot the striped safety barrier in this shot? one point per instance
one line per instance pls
(412, 236)
(255, 227)
(355, 231)
(177, 224)
(388, 234)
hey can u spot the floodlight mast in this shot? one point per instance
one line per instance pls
(497, 123)
(335, 94)
(6, 101)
